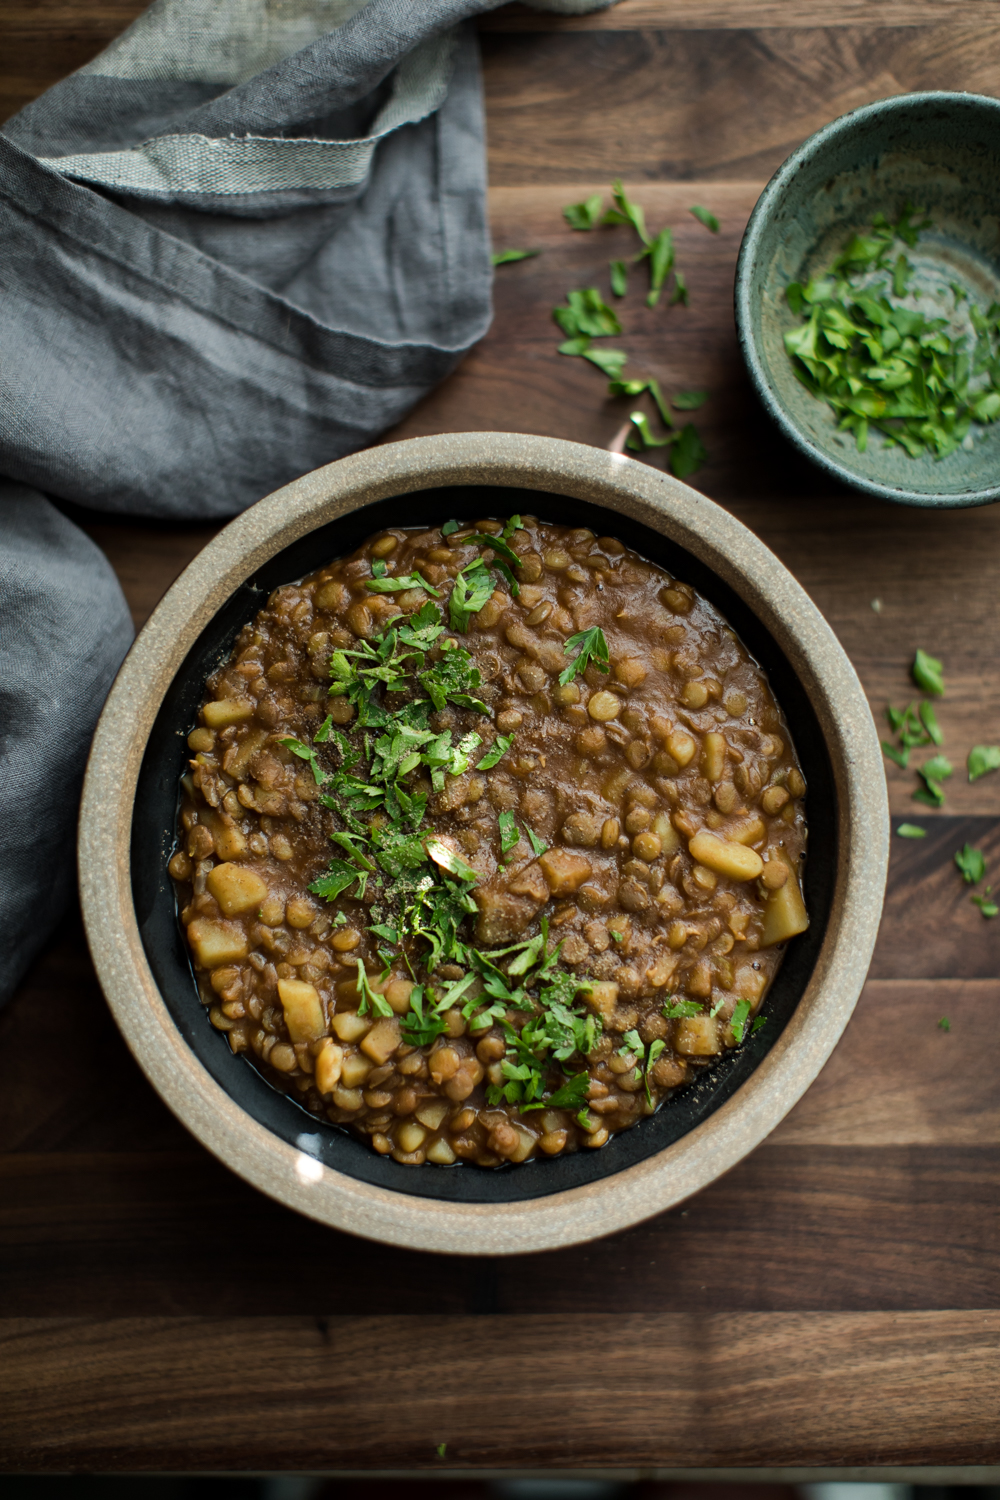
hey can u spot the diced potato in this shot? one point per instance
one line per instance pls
(216, 943)
(303, 1010)
(713, 756)
(227, 711)
(351, 1027)
(440, 1152)
(666, 833)
(355, 1070)
(411, 1136)
(236, 889)
(329, 1065)
(784, 914)
(382, 1041)
(735, 861)
(602, 996)
(682, 747)
(526, 1143)
(229, 841)
(697, 1036)
(564, 871)
(746, 830)
(432, 1112)
(749, 983)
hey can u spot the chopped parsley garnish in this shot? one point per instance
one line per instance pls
(986, 905)
(661, 263)
(306, 753)
(911, 831)
(982, 759)
(636, 388)
(619, 277)
(703, 216)
(510, 834)
(445, 857)
(538, 845)
(689, 400)
(473, 586)
(944, 1024)
(497, 751)
(928, 674)
(687, 455)
(680, 292)
(589, 645)
(675, 1009)
(643, 436)
(740, 1017)
(626, 212)
(369, 999)
(919, 380)
(971, 864)
(508, 257)
(587, 315)
(645, 1056)
(758, 1022)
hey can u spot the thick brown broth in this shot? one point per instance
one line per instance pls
(658, 813)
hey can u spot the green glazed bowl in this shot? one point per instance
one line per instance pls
(940, 152)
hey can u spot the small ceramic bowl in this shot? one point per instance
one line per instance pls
(938, 151)
(130, 806)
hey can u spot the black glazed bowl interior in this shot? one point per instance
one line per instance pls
(153, 839)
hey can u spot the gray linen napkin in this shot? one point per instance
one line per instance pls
(240, 243)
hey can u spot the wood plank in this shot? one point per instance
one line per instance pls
(709, 104)
(930, 927)
(666, 1389)
(673, 15)
(792, 1228)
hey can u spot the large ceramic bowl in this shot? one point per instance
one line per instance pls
(938, 151)
(129, 810)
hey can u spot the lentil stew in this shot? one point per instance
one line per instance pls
(567, 833)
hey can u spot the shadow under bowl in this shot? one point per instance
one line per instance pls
(941, 153)
(129, 818)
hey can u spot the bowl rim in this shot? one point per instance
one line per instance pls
(737, 1126)
(766, 204)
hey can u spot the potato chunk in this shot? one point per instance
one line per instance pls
(382, 1041)
(564, 871)
(602, 996)
(303, 1010)
(329, 1065)
(697, 1036)
(735, 861)
(227, 711)
(236, 889)
(784, 914)
(216, 943)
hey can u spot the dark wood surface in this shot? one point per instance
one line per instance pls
(835, 1299)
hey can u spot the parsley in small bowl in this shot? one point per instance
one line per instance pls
(868, 299)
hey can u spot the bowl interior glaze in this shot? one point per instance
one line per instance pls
(937, 151)
(153, 834)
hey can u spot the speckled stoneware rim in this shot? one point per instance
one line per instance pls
(746, 265)
(612, 1203)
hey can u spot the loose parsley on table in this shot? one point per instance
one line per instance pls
(982, 759)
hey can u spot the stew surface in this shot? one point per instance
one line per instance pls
(492, 838)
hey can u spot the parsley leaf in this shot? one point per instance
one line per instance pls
(307, 753)
(928, 674)
(944, 1024)
(758, 1022)
(323, 732)
(385, 585)
(473, 586)
(586, 214)
(587, 314)
(570, 1096)
(928, 719)
(738, 1023)
(901, 757)
(497, 751)
(449, 528)
(510, 834)
(689, 400)
(337, 879)
(508, 257)
(370, 1000)
(680, 292)
(987, 906)
(448, 859)
(590, 645)
(971, 864)
(703, 216)
(661, 262)
(688, 454)
(675, 1009)
(626, 212)
(538, 845)
(619, 277)
(643, 437)
(636, 388)
(911, 831)
(611, 361)
(982, 759)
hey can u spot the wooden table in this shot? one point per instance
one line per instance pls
(835, 1299)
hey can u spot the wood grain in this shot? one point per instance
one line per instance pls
(689, 1390)
(711, 104)
(672, 15)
